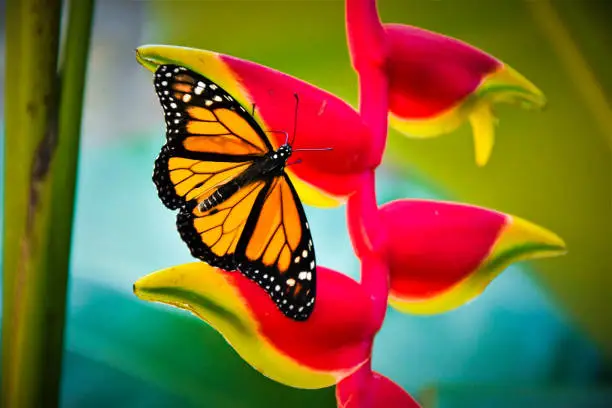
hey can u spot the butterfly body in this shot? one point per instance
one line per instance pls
(238, 209)
(263, 168)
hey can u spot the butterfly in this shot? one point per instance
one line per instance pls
(238, 209)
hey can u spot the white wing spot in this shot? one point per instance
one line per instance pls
(208, 102)
(176, 121)
(310, 243)
(164, 83)
(173, 105)
(309, 276)
(291, 282)
(277, 288)
(297, 259)
(198, 90)
(266, 276)
(302, 275)
(307, 227)
(201, 84)
(213, 86)
(186, 98)
(312, 264)
(304, 252)
(217, 98)
(168, 75)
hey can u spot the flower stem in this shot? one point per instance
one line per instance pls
(42, 131)
(354, 391)
(365, 36)
(365, 33)
(366, 40)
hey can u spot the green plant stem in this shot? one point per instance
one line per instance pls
(72, 78)
(41, 147)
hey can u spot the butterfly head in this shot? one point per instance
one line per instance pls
(284, 151)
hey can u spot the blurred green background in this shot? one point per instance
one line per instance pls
(540, 335)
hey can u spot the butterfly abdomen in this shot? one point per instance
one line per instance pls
(220, 195)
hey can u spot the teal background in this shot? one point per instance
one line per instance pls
(540, 334)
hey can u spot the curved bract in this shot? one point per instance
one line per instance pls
(436, 83)
(444, 254)
(323, 178)
(331, 344)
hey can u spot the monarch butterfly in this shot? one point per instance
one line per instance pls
(238, 209)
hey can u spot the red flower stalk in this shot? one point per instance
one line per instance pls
(423, 256)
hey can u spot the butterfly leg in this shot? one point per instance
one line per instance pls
(292, 163)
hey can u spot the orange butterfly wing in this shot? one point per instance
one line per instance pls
(210, 137)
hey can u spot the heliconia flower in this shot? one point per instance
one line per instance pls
(435, 82)
(323, 178)
(442, 254)
(334, 342)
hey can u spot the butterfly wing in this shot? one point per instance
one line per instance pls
(264, 229)
(210, 137)
(213, 235)
(277, 252)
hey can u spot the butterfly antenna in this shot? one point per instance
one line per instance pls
(297, 100)
(312, 149)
